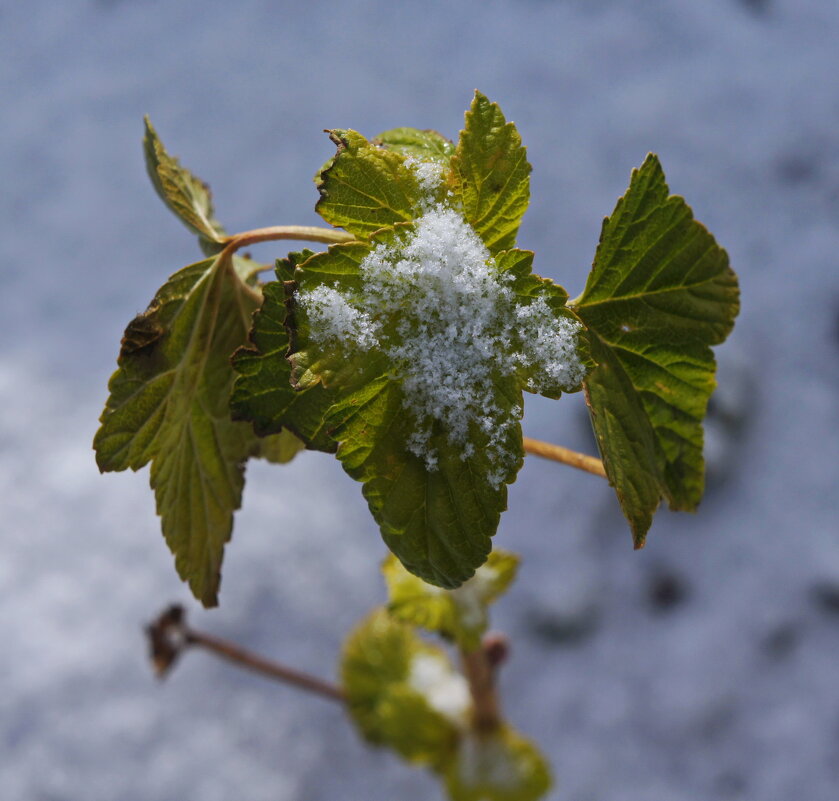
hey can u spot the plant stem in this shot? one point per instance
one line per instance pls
(258, 664)
(304, 233)
(581, 461)
(169, 636)
(480, 673)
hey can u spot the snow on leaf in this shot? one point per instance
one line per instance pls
(403, 693)
(262, 392)
(659, 295)
(497, 766)
(421, 334)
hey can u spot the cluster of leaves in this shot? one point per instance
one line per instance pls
(221, 368)
(169, 399)
(404, 693)
(659, 295)
(438, 522)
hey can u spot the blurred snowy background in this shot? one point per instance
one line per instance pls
(705, 667)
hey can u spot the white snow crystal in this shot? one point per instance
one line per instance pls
(548, 343)
(333, 319)
(429, 176)
(471, 596)
(446, 691)
(436, 304)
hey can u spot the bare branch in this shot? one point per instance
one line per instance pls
(169, 636)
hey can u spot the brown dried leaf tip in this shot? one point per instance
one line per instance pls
(167, 639)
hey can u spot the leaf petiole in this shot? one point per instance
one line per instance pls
(557, 453)
(303, 233)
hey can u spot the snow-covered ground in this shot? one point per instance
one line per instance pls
(705, 667)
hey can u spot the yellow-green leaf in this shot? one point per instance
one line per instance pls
(188, 197)
(461, 614)
(497, 766)
(414, 143)
(403, 693)
(168, 405)
(365, 187)
(491, 174)
(279, 448)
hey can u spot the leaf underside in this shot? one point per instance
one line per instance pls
(168, 405)
(186, 196)
(659, 295)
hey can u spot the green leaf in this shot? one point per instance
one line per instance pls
(187, 197)
(660, 293)
(364, 187)
(279, 448)
(497, 766)
(439, 521)
(414, 143)
(262, 392)
(428, 364)
(461, 614)
(402, 693)
(168, 405)
(491, 174)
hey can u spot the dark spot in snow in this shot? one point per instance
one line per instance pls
(781, 641)
(795, 169)
(563, 629)
(836, 326)
(717, 718)
(825, 595)
(666, 591)
(731, 784)
(757, 7)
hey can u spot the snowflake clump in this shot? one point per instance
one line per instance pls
(436, 304)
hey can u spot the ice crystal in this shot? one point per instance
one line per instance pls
(436, 304)
(334, 320)
(429, 176)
